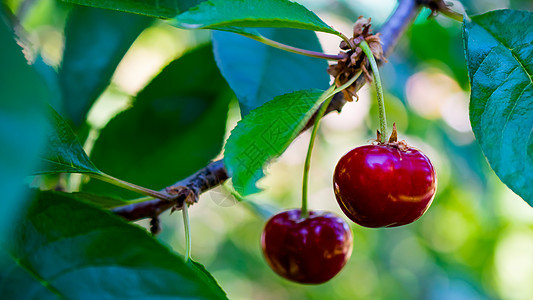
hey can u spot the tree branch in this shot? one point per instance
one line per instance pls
(215, 173)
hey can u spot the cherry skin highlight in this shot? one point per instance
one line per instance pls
(311, 250)
(383, 186)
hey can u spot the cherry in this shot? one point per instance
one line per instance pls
(306, 250)
(383, 185)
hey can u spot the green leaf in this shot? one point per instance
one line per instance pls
(201, 271)
(22, 123)
(69, 249)
(226, 15)
(49, 75)
(175, 127)
(154, 8)
(95, 42)
(64, 153)
(275, 72)
(499, 51)
(264, 134)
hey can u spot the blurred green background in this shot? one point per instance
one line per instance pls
(476, 240)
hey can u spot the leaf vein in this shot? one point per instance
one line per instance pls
(522, 65)
(37, 276)
(482, 61)
(511, 113)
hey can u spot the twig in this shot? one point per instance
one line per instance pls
(215, 173)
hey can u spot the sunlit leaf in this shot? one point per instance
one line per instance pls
(227, 15)
(264, 134)
(154, 8)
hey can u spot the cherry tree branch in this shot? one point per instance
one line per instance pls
(215, 172)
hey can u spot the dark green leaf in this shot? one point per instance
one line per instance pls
(275, 72)
(154, 8)
(175, 126)
(72, 250)
(49, 75)
(226, 15)
(264, 134)
(205, 275)
(95, 42)
(499, 51)
(22, 123)
(64, 153)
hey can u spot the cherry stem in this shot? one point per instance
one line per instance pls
(129, 186)
(379, 89)
(292, 49)
(452, 15)
(328, 95)
(186, 226)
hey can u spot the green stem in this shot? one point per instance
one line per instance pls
(453, 15)
(288, 48)
(304, 212)
(186, 226)
(129, 186)
(379, 89)
(321, 111)
(140, 200)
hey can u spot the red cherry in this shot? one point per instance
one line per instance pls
(310, 250)
(383, 186)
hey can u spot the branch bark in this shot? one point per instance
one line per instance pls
(215, 172)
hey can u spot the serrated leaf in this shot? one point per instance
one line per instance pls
(64, 153)
(202, 272)
(175, 127)
(227, 15)
(264, 134)
(22, 123)
(154, 8)
(69, 249)
(275, 72)
(499, 52)
(95, 42)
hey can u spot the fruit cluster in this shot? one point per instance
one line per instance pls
(381, 185)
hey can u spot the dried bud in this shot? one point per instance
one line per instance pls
(354, 60)
(374, 42)
(155, 226)
(344, 46)
(394, 136)
(361, 26)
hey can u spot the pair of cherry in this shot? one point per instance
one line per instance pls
(376, 186)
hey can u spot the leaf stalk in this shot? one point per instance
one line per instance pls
(292, 49)
(130, 186)
(187, 228)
